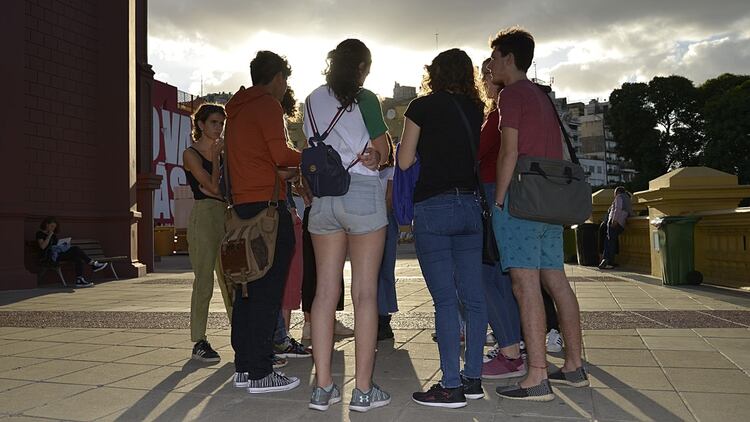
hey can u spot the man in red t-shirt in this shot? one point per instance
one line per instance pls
(531, 250)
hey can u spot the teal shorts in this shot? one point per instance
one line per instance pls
(527, 244)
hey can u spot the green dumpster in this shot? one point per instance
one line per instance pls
(676, 249)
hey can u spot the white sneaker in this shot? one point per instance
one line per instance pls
(492, 354)
(340, 329)
(98, 266)
(306, 331)
(490, 340)
(554, 341)
(241, 379)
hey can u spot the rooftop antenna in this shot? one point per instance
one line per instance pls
(535, 75)
(201, 84)
(437, 35)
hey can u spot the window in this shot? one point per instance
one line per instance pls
(599, 169)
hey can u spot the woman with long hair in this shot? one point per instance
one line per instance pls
(504, 360)
(447, 219)
(355, 221)
(206, 225)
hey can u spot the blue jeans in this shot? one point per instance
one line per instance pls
(387, 302)
(502, 308)
(280, 336)
(611, 245)
(448, 240)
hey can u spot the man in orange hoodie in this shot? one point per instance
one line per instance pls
(255, 136)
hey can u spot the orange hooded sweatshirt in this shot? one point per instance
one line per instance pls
(256, 145)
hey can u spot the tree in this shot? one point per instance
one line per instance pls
(633, 123)
(727, 115)
(676, 104)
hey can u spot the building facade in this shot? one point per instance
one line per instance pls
(77, 136)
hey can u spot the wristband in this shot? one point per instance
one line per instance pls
(499, 205)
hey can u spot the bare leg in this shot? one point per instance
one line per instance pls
(511, 352)
(366, 252)
(287, 315)
(307, 316)
(330, 253)
(558, 287)
(527, 289)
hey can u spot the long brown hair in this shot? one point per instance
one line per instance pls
(343, 72)
(452, 71)
(203, 113)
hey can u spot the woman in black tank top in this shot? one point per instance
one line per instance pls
(206, 227)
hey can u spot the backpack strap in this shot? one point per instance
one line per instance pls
(317, 136)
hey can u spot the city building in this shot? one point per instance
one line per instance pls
(594, 142)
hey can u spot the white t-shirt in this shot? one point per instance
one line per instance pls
(385, 176)
(351, 134)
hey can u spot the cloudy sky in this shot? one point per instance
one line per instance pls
(588, 47)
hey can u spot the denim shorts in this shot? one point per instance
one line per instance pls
(360, 211)
(525, 243)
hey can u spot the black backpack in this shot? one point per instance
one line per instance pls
(321, 164)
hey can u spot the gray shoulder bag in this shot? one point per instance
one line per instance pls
(550, 191)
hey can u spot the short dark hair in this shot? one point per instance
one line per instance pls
(49, 220)
(518, 41)
(265, 66)
(619, 190)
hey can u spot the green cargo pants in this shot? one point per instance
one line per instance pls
(205, 231)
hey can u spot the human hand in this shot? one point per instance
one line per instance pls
(303, 191)
(370, 158)
(217, 147)
(288, 173)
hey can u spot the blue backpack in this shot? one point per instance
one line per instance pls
(404, 182)
(321, 163)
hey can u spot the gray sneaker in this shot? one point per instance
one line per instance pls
(362, 402)
(577, 378)
(322, 399)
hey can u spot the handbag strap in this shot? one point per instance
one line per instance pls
(228, 183)
(473, 149)
(568, 143)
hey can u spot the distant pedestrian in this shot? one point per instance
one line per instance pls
(617, 219)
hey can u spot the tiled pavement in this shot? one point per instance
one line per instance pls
(118, 352)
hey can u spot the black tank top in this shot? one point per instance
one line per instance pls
(194, 183)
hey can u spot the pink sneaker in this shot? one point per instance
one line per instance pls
(502, 368)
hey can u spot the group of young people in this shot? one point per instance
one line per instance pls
(457, 128)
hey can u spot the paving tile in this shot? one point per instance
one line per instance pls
(613, 342)
(103, 374)
(165, 378)
(414, 413)
(35, 333)
(46, 370)
(677, 343)
(709, 380)
(162, 406)
(161, 357)
(623, 332)
(79, 407)
(620, 357)
(21, 347)
(6, 384)
(118, 338)
(36, 395)
(736, 349)
(109, 353)
(15, 362)
(619, 377)
(62, 350)
(666, 332)
(724, 332)
(692, 359)
(635, 405)
(719, 407)
(569, 403)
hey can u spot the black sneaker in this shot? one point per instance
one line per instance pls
(291, 349)
(203, 352)
(577, 378)
(540, 392)
(82, 282)
(439, 396)
(472, 388)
